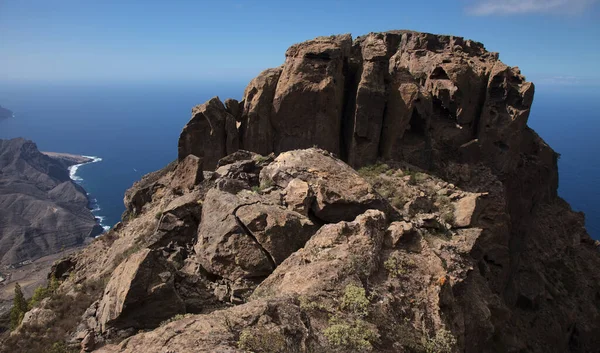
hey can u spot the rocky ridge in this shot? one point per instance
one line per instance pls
(450, 237)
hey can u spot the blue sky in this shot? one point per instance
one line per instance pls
(552, 41)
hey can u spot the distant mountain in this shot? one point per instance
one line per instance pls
(5, 113)
(41, 209)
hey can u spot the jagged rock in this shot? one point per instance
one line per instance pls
(209, 134)
(39, 316)
(325, 259)
(299, 196)
(188, 173)
(61, 268)
(257, 130)
(224, 248)
(464, 210)
(142, 191)
(279, 231)
(234, 108)
(340, 192)
(140, 293)
(309, 98)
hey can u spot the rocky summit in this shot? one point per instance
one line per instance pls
(382, 193)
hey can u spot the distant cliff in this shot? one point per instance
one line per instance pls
(41, 210)
(5, 113)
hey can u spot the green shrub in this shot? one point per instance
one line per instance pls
(355, 300)
(351, 336)
(262, 340)
(442, 342)
(158, 214)
(398, 267)
(373, 170)
(172, 319)
(19, 308)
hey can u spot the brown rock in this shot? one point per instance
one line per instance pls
(340, 193)
(308, 102)
(209, 134)
(188, 173)
(257, 129)
(464, 210)
(140, 293)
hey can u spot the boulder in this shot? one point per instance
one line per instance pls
(340, 193)
(339, 252)
(188, 173)
(140, 293)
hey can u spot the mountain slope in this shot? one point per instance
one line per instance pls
(43, 211)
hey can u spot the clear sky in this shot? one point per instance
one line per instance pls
(554, 41)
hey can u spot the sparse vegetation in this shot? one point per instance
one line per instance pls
(355, 300)
(158, 215)
(262, 340)
(443, 342)
(314, 305)
(43, 292)
(373, 170)
(350, 336)
(263, 186)
(261, 159)
(172, 319)
(398, 267)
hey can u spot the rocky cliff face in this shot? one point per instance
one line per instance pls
(42, 210)
(449, 238)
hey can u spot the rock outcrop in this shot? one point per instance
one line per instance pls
(450, 237)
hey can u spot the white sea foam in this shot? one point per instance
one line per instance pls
(73, 175)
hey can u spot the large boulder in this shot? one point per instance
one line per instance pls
(140, 293)
(340, 193)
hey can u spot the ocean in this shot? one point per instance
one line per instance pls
(132, 129)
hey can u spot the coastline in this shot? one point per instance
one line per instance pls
(93, 203)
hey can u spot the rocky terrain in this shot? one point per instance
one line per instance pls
(5, 113)
(382, 193)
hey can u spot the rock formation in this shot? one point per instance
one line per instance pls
(450, 237)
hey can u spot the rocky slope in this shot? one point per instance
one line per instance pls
(450, 237)
(42, 210)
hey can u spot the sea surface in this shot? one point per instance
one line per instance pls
(132, 129)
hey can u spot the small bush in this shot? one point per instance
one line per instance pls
(172, 319)
(157, 215)
(398, 267)
(262, 340)
(355, 300)
(373, 170)
(351, 336)
(442, 342)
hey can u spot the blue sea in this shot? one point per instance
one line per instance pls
(134, 128)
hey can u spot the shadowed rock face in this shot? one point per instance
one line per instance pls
(41, 210)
